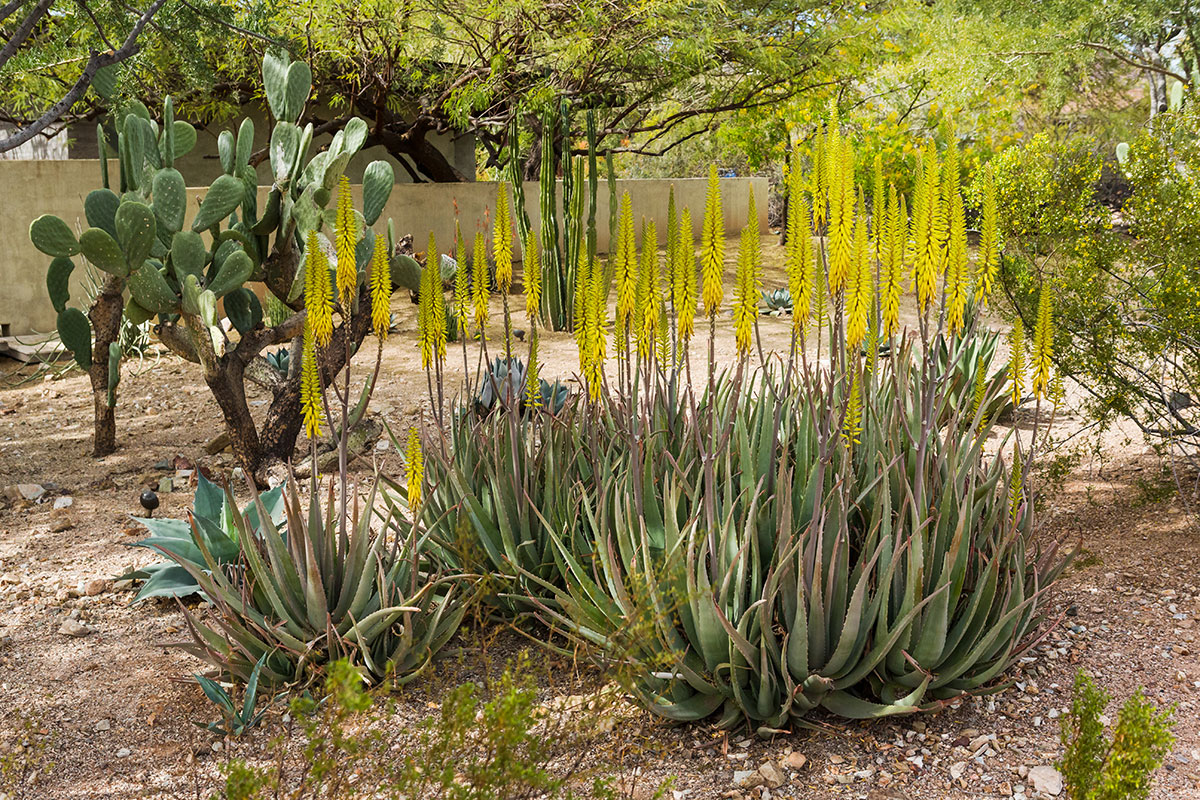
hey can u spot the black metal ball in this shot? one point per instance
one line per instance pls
(149, 500)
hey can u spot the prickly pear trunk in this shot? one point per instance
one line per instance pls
(105, 315)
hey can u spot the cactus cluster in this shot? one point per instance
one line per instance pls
(139, 234)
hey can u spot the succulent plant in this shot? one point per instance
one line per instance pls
(213, 513)
(305, 593)
(506, 381)
(778, 302)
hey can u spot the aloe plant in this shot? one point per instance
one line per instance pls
(309, 592)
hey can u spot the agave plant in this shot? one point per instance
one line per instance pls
(777, 302)
(213, 521)
(319, 592)
(504, 384)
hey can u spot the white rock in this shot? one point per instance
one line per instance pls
(123, 752)
(772, 774)
(102, 725)
(66, 501)
(1046, 780)
(747, 778)
(958, 769)
(74, 628)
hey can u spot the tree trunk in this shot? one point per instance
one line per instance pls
(105, 315)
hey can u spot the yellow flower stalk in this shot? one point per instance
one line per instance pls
(437, 301)
(878, 202)
(462, 282)
(852, 424)
(311, 401)
(593, 352)
(583, 287)
(414, 465)
(712, 248)
(317, 300)
(531, 272)
(929, 227)
(1043, 342)
(502, 244)
(989, 242)
(626, 270)
(799, 260)
(649, 293)
(860, 296)
(1016, 360)
(347, 241)
(671, 260)
(1016, 484)
(747, 288)
(381, 289)
(533, 384)
(956, 266)
(841, 221)
(892, 267)
(685, 279)
(664, 337)
(480, 292)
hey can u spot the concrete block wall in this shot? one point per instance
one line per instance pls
(33, 188)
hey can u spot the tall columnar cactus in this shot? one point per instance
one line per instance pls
(183, 273)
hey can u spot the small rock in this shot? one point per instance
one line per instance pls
(123, 752)
(102, 725)
(747, 778)
(978, 742)
(1046, 780)
(31, 491)
(165, 485)
(958, 769)
(794, 760)
(60, 520)
(773, 776)
(66, 501)
(95, 586)
(74, 628)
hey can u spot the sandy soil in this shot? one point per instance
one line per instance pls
(116, 719)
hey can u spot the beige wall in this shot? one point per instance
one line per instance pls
(33, 188)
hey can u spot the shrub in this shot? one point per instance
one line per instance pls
(1121, 768)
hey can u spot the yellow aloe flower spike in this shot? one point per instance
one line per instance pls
(671, 259)
(989, 241)
(859, 289)
(381, 289)
(414, 465)
(747, 289)
(799, 259)
(685, 279)
(878, 208)
(928, 227)
(956, 266)
(1043, 342)
(347, 241)
(502, 244)
(894, 234)
(841, 220)
(317, 300)
(310, 385)
(1016, 361)
(626, 271)
(462, 282)
(583, 288)
(533, 384)
(852, 424)
(1016, 485)
(649, 294)
(532, 275)
(437, 300)
(712, 248)
(596, 332)
(480, 291)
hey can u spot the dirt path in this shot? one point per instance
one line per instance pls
(117, 722)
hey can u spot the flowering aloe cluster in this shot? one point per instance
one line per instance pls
(837, 527)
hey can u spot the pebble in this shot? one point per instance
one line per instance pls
(772, 775)
(74, 628)
(95, 586)
(795, 760)
(1046, 780)
(66, 501)
(958, 769)
(60, 520)
(102, 725)
(747, 778)
(123, 752)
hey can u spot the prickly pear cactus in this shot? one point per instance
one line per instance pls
(182, 255)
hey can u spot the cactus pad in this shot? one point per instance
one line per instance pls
(52, 236)
(104, 252)
(225, 195)
(100, 208)
(75, 332)
(233, 273)
(377, 183)
(151, 290)
(136, 231)
(170, 199)
(243, 309)
(187, 255)
(58, 282)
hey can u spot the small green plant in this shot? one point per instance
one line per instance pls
(234, 721)
(777, 302)
(504, 745)
(1121, 768)
(22, 759)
